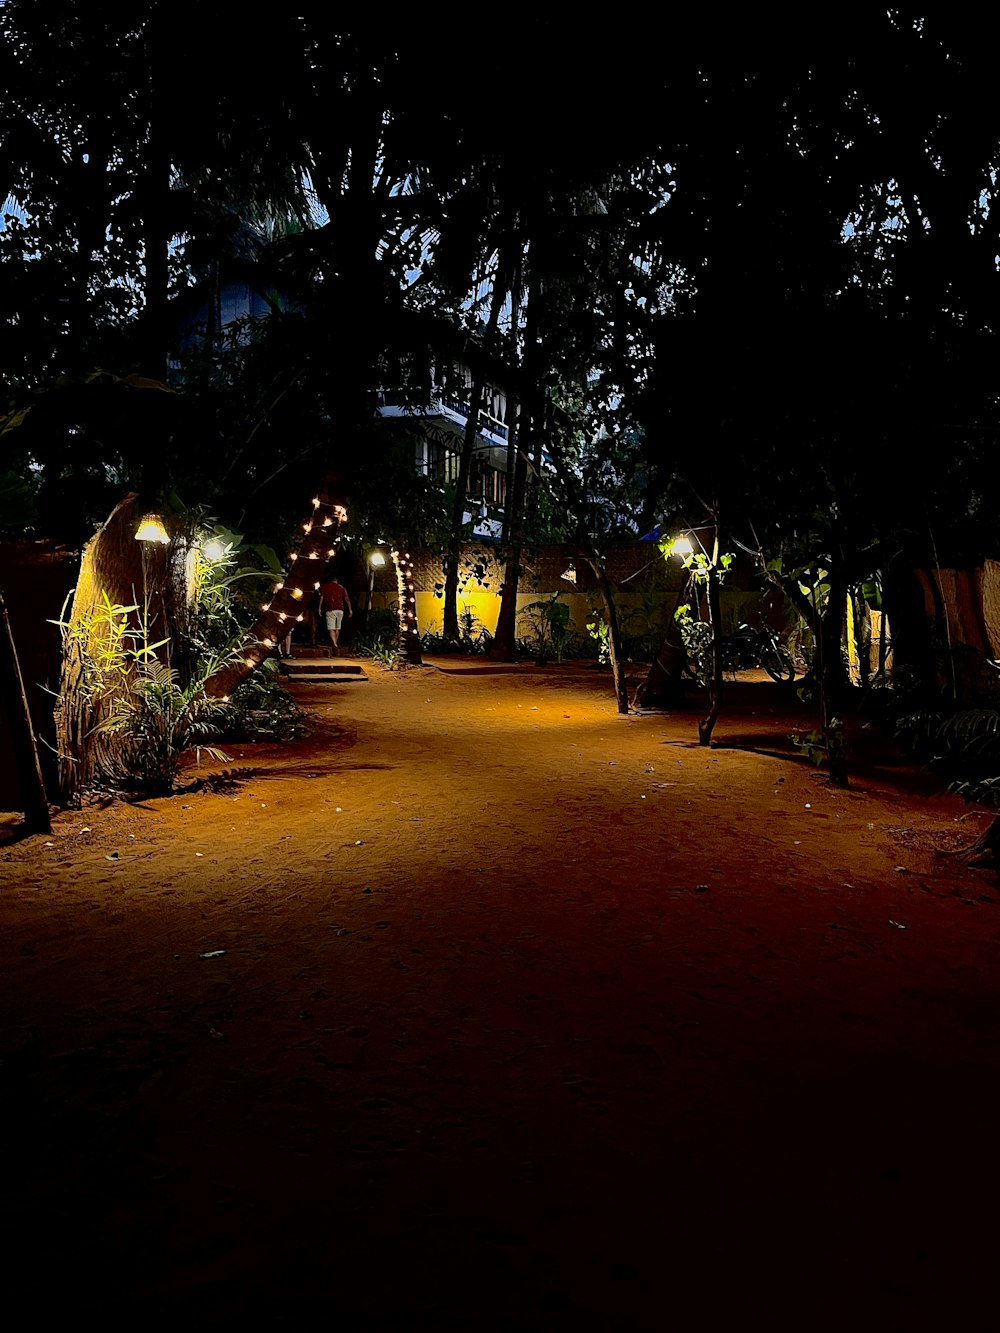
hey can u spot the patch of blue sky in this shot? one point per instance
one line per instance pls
(12, 211)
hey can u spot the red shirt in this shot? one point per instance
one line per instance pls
(333, 597)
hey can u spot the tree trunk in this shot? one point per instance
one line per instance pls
(707, 724)
(408, 650)
(614, 632)
(504, 645)
(862, 637)
(290, 597)
(453, 552)
(156, 218)
(450, 614)
(833, 678)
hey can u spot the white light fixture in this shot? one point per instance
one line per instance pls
(682, 547)
(376, 559)
(213, 549)
(569, 573)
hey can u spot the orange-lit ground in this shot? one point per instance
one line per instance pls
(526, 1017)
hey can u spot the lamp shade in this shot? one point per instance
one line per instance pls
(151, 529)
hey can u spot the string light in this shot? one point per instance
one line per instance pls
(315, 501)
(299, 619)
(293, 556)
(266, 606)
(248, 661)
(297, 594)
(278, 587)
(328, 522)
(316, 585)
(331, 553)
(307, 527)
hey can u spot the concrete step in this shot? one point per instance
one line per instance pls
(325, 670)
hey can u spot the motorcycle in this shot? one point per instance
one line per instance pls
(747, 648)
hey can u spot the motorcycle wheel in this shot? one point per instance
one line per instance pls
(778, 665)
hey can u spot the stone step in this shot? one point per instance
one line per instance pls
(325, 670)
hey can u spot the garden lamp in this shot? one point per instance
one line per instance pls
(151, 529)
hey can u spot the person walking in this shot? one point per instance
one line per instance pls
(334, 604)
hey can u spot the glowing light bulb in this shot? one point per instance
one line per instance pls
(282, 615)
(299, 619)
(307, 527)
(328, 522)
(293, 556)
(331, 553)
(316, 585)
(266, 606)
(297, 594)
(278, 587)
(248, 661)
(268, 643)
(315, 500)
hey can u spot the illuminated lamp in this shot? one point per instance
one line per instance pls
(376, 559)
(569, 573)
(213, 549)
(151, 529)
(682, 547)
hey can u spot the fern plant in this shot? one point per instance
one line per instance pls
(157, 721)
(964, 746)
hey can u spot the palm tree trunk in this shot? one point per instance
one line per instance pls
(288, 602)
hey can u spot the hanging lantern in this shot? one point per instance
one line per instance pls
(151, 529)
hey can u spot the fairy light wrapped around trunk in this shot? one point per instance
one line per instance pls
(289, 595)
(408, 652)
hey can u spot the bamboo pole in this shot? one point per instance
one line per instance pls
(29, 771)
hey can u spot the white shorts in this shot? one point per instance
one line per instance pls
(334, 620)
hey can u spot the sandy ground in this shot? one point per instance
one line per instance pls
(487, 1009)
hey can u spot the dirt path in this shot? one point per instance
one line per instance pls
(488, 1009)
